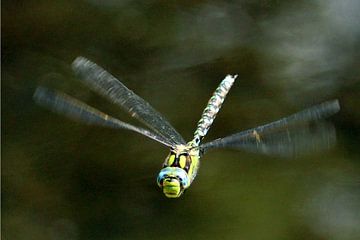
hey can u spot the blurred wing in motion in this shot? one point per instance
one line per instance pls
(297, 134)
(77, 110)
(108, 86)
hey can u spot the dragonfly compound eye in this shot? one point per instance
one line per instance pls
(160, 179)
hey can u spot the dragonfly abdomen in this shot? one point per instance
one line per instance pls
(212, 108)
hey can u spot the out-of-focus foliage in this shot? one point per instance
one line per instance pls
(64, 180)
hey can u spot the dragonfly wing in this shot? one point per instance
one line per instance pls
(110, 87)
(299, 133)
(77, 110)
(285, 142)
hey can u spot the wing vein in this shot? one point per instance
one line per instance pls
(108, 86)
(77, 110)
(301, 132)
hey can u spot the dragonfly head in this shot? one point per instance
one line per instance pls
(173, 181)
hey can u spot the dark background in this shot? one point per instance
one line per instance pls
(66, 180)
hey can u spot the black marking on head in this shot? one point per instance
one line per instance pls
(187, 163)
(176, 162)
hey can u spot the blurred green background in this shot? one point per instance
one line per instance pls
(66, 180)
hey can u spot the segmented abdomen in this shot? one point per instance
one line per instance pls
(212, 108)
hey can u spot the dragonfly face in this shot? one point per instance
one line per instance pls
(173, 181)
(179, 170)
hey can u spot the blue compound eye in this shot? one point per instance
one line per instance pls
(160, 179)
(173, 173)
(183, 180)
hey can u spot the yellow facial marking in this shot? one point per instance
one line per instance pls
(182, 161)
(171, 188)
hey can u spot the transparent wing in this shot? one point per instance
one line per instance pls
(108, 86)
(299, 133)
(77, 110)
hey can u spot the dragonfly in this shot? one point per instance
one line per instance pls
(301, 132)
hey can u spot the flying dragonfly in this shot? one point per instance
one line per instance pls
(301, 132)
